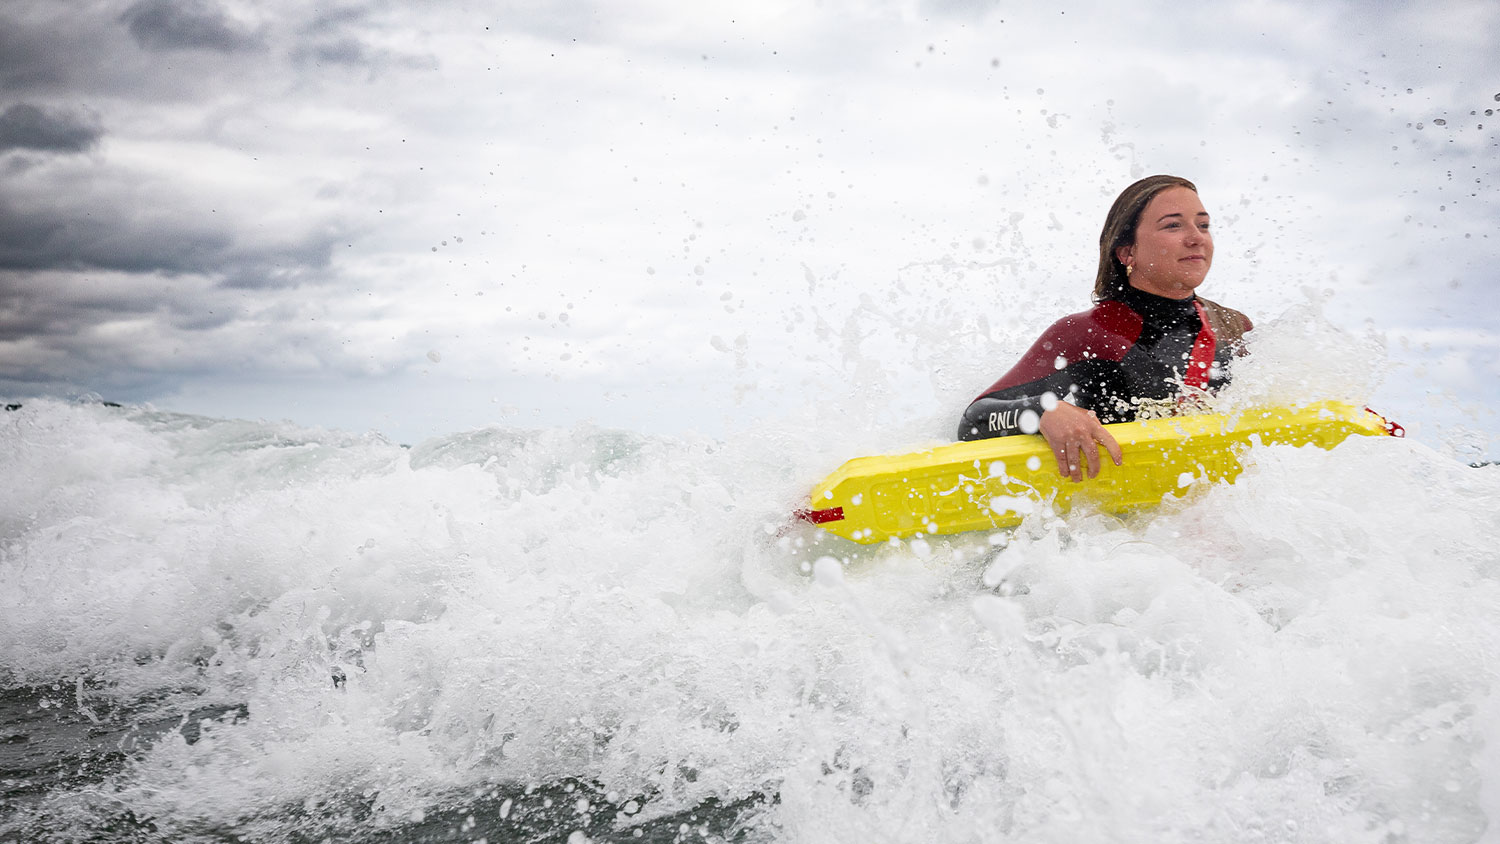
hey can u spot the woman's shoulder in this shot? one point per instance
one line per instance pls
(1110, 316)
(1105, 330)
(1228, 324)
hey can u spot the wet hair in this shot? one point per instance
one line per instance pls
(1119, 230)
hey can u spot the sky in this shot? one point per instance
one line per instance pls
(672, 216)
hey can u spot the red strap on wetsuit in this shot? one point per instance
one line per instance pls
(1202, 357)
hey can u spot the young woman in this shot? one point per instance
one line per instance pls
(1148, 341)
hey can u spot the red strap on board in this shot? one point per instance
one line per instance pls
(1392, 428)
(818, 517)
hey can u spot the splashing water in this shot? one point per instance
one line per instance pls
(214, 630)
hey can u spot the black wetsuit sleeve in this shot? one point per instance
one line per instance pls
(1015, 410)
(991, 417)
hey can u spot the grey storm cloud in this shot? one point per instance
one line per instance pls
(28, 311)
(25, 126)
(65, 309)
(347, 51)
(34, 239)
(162, 25)
(26, 63)
(328, 40)
(341, 36)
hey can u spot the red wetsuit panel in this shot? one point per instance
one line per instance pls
(1202, 358)
(1107, 332)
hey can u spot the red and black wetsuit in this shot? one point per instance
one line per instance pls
(1132, 347)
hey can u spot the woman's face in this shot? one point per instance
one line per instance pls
(1172, 249)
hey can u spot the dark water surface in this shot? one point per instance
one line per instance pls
(49, 748)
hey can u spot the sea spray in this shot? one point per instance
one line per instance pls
(296, 633)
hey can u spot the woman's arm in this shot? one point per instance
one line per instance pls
(1050, 388)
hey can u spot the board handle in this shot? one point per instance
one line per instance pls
(1391, 428)
(818, 517)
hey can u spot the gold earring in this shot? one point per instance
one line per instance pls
(1129, 268)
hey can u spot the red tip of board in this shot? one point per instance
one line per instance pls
(818, 517)
(1391, 428)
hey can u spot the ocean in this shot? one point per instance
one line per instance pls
(218, 630)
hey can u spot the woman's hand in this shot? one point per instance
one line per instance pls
(1075, 435)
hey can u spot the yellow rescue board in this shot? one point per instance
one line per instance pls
(993, 483)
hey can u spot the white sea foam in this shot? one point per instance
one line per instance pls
(1305, 655)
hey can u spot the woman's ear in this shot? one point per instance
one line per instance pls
(1124, 254)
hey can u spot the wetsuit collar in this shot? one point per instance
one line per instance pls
(1160, 309)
